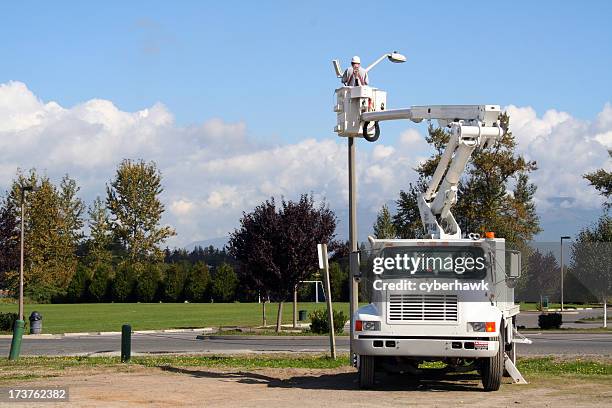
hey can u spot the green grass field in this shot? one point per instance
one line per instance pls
(95, 317)
(27, 368)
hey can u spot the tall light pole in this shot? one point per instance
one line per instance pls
(562, 238)
(394, 57)
(20, 322)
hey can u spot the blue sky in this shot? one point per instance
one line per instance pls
(267, 64)
(194, 56)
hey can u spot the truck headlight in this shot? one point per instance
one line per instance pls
(362, 325)
(488, 327)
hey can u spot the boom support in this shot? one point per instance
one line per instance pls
(471, 126)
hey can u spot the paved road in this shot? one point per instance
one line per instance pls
(530, 319)
(543, 344)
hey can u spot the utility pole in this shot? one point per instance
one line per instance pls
(562, 238)
(19, 326)
(353, 265)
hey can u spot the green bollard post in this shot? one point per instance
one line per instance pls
(126, 343)
(18, 329)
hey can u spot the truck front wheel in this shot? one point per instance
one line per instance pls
(366, 371)
(492, 369)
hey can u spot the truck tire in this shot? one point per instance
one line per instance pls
(366, 371)
(492, 369)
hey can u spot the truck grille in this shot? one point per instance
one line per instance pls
(422, 308)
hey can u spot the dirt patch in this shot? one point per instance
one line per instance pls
(200, 386)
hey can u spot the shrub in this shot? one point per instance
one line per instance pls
(7, 321)
(550, 321)
(319, 323)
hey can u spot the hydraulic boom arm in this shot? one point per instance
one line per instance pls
(471, 126)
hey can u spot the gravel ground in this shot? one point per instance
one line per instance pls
(199, 386)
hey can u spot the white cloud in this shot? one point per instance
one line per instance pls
(214, 171)
(564, 148)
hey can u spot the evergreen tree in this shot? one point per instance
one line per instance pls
(483, 200)
(77, 289)
(338, 277)
(383, 227)
(174, 284)
(224, 283)
(407, 220)
(123, 284)
(99, 286)
(148, 282)
(197, 283)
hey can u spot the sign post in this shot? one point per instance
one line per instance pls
(324, 264)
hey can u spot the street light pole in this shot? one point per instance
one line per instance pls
(354, 289)
(21, 255)
(19, 326)
(562, 238)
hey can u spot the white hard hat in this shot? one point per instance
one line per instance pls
(356, 60)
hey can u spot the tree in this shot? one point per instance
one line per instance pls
(407, 220)
(224, 283)
(77, 289)
(197, 283)
(123, 284)
(136, 210)
(592, 259)
(99, 286)
(100, 234)
(53, 227)
(602, 181)
(277, 247)
(483, 199)
(541, 278)
(148, 282)
(384, 227)
(174, 284)
(338, 277)
(9, 242)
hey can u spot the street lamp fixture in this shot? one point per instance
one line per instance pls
(394, 56)
(565, 237)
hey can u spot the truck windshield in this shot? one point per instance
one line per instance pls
(454, 262)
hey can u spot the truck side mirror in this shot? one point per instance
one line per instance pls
(515, 264)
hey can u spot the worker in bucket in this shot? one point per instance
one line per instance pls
(355, 76)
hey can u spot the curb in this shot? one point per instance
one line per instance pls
(261, 337)
(106, 333)
(44, 336)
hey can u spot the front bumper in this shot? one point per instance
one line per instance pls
(469, 347)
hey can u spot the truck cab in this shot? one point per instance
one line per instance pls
(435, 300)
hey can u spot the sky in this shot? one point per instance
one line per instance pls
(234, 100)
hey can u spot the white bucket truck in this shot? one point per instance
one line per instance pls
(447, 297)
